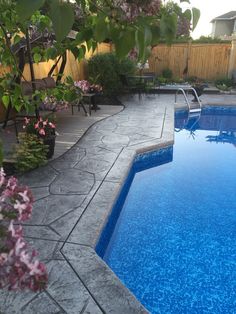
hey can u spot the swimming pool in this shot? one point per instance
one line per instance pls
(171, 235)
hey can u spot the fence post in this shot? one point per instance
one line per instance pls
(232, 59)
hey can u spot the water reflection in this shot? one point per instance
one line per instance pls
(223, 123)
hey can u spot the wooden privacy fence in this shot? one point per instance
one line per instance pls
(206, 61)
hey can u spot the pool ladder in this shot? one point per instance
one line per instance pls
(191, 110)
(193, 113)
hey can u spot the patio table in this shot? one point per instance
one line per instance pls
(142, 78)
(87, 98)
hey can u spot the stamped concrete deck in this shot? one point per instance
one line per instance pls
(74, 196)
(70, 128)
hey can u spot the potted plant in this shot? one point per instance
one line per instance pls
(87, 88)
(31, 152)
(83, 85)
(45, 129)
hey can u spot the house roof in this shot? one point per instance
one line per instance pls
(227, 16)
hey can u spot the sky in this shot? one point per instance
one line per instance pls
(209, 10)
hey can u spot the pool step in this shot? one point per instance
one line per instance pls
(194, 110)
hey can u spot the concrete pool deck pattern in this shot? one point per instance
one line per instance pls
(74, 196)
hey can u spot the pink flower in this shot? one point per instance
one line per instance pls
(24, 196)
(36, 126)
(52, 125)
(42, 132)
(27, 121)
(12, 183)
(45, 122)
(19, 268)
(40, 127)
(83, 85)
(3, 258)
(2, 177)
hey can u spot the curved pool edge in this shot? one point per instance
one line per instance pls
(108, 291)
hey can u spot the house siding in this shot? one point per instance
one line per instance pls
(222, 28)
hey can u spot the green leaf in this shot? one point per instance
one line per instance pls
(89, 44)
(143, 40)
(6, 100)
(147, 35)
(156, 34)
(196, 16)
(101, 30)
(140, 43)
(37, 57)
(78, 52)
(51, 53)
(83, 36)
(168, 26)
(62, 16)
(188, 14)
(125, 43)
(16, 39)
(25, 8)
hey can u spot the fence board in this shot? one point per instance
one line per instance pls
(206, 61)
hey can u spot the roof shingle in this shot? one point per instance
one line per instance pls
(227, 16)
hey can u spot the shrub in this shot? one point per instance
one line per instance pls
(162, 80)
(105, 69)
(126, 67)
(167, 73)
(31, 152)
(224, 81)
(178, 80)
(210, 40)
(192, 79)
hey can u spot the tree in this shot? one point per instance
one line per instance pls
(126, 23)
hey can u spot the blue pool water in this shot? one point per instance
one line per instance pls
(173, 244)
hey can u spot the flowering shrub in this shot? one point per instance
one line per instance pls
(19, 268)
(83, 85)
(86, 87)
(95, 88)
(183, 27)
(52, 104)
(40, 127)
(131, 9)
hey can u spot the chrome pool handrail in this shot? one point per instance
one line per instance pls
(186, 98)
(191, 111)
